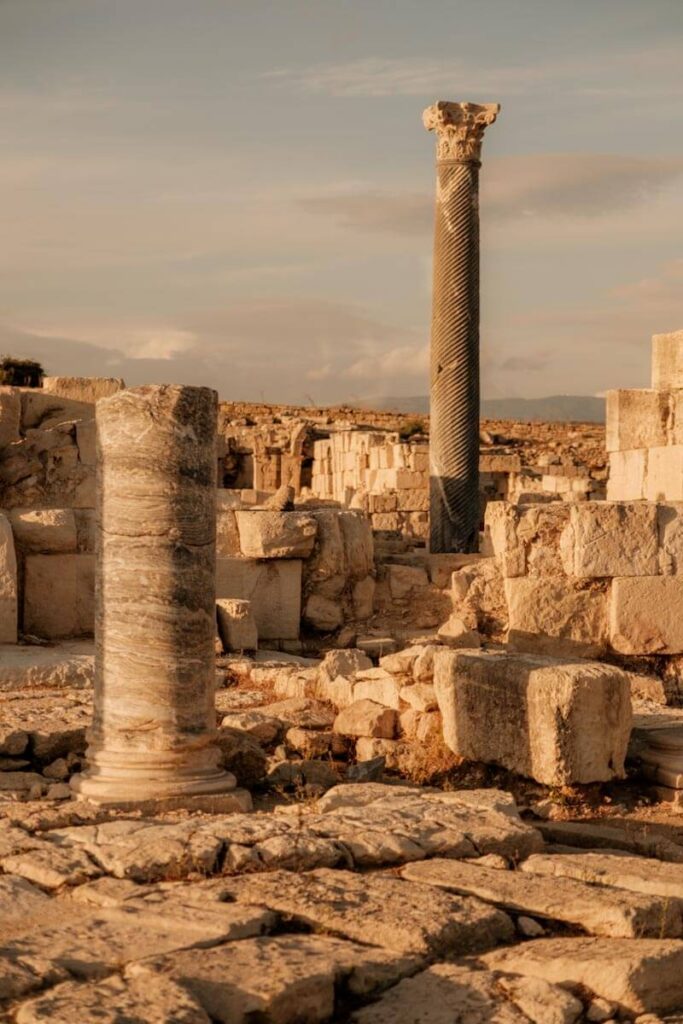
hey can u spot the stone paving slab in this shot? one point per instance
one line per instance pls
(147, 999)
(361, 826)
(378, 909)
(639, 975)
(279, 980)
(69, 665)
(456, 994)
(596, 909)
(619, 870)
(590, 835)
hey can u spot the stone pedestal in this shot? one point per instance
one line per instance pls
(454, 375)
(662, 760)
(153, 731)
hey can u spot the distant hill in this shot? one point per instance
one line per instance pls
(553, 409)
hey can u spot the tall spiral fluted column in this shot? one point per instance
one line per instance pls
(454, 374)
(154, 725)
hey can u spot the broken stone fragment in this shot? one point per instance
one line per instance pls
(366, 718)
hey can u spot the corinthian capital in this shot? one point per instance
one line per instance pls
(459, 128)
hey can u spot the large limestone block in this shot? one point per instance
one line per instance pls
(59, 595)
(273, 534)
(627, 472)
(236, 624)
(639, 975)
(551, 615)
(637, 418)
(664, 474)
(605, 538)
(667, 360)
(559, 722)
(670, 530)
(646, 615)
(526, 540)
(273, 588)
(83, 389)
(10, 415)
(8, 584)
(48, 531)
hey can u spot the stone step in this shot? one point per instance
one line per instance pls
(596, 909)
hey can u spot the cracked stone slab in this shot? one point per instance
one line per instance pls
(49, 735)
(456, 994)
(596, 909)
(91, 943)
(280, 980)
(619, 870)
(377, 909)
(51, 866)
(639, 975)
(139, 1000)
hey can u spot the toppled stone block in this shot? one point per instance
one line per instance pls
(667, 360)
(45, 531)
(8, 584)
(378, 685)
(646, 615)
(343, 663)
(274, 534)
(558, 722)
(366, 718)
(59, 595)
(236, 624)
(549, 615)
(605, 538)
(272, 587)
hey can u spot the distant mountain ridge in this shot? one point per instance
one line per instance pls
(553, 409)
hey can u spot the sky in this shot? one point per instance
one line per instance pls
(239, 193)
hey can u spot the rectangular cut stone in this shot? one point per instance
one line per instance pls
(670, 531)
(8, 584)
(664, 475)
(598, 910)
(559, 722)
(83, 389)
(48, 531)
(526, 540)
(272, 587)
(667, 360)
(639, 975)
(273, 534)
(637, 418)
(59, 595)
(610, 539)
(627, 471)
(548, 615)
(646, 615)
(236, 624)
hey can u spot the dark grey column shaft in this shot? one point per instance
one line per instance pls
(454, 375)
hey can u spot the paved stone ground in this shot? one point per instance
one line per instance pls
(355, 902)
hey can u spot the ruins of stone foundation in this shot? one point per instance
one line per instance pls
(330, 715)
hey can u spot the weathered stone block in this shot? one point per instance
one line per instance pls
(323, 614)
(272, 587)
(556, 721)
(637, 418)
(227, 534)
(41, 409)
(646, 615)
(549, 615)
(405, 580)
(525, 540)
(49, 531)
(10, 415)
(236, 624)
(273, 534)
(8, 584)
(667, 360)
(670, 531)
(59, 595)
(627, 471)
(664, 474)
(83, 389)
(610, 539)
(366, 718)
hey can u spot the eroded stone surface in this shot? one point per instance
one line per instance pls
(637, 874)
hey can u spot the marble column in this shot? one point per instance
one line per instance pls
(154, 728)
(454, 374)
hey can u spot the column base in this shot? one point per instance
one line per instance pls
(662, 763)
(117, 797)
